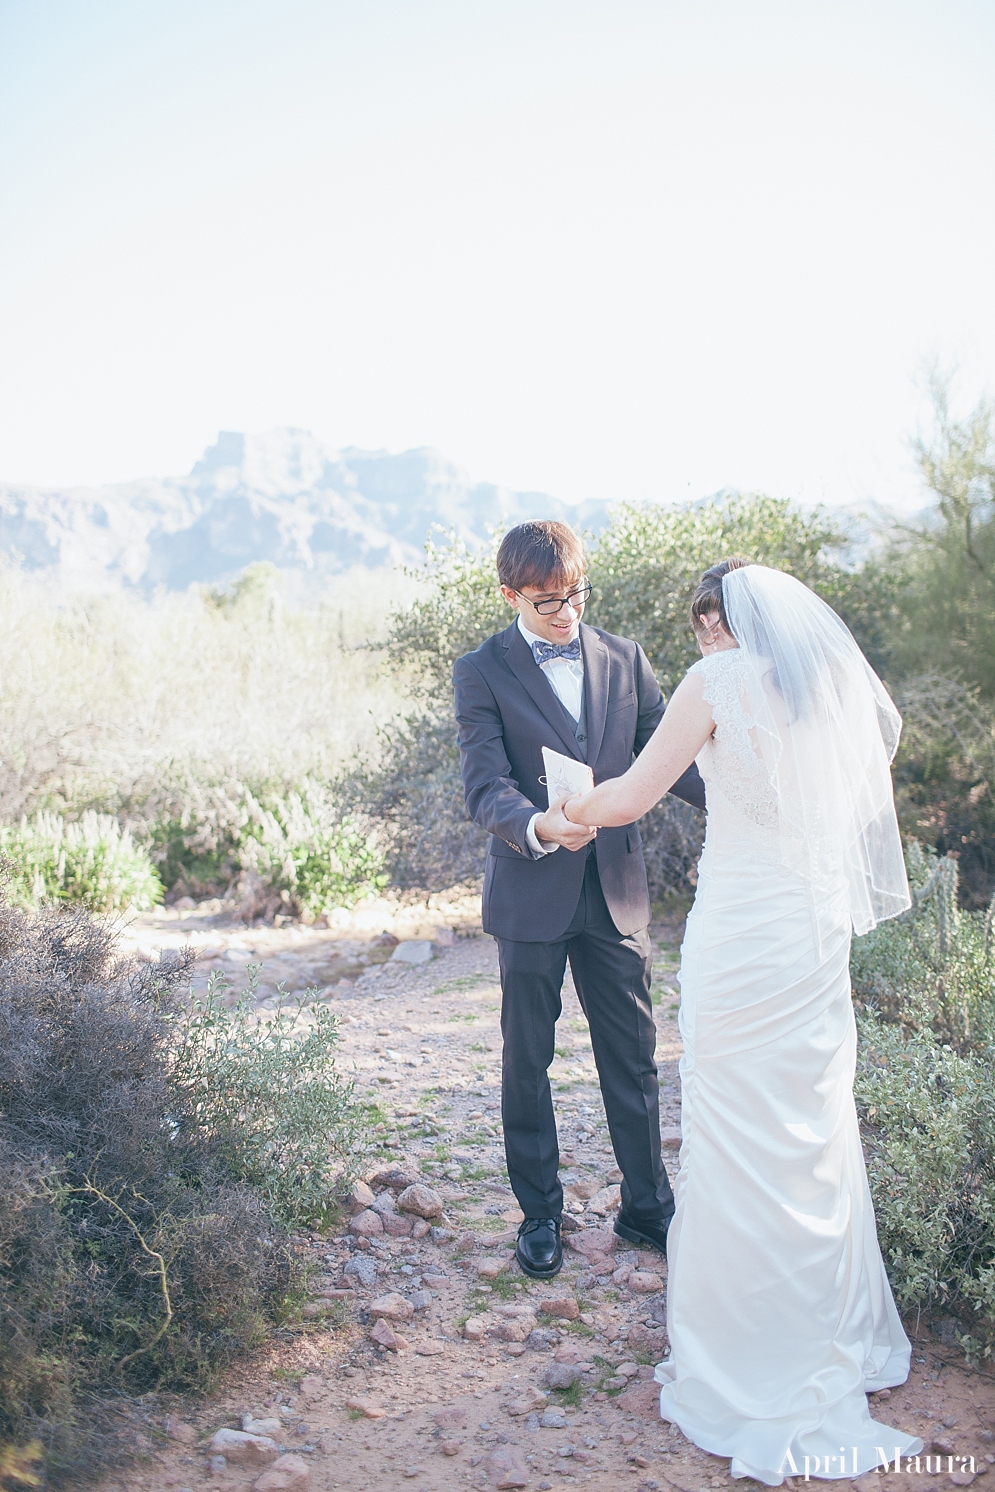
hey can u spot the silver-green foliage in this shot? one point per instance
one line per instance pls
(267, 1091)
(925, 988)
(92, 862)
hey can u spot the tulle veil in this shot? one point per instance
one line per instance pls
(826, 731)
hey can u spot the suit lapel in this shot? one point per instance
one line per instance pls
(596, 668)
(518, 656)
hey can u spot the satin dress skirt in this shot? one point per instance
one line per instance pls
(780, 1315)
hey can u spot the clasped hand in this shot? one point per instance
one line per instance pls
(553, 826)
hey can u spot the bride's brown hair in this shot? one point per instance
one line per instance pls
(708, 595)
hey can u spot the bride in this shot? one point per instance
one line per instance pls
(779, 1312)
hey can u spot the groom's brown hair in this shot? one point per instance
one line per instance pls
(542, 553)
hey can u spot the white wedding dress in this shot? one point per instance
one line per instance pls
(780, 1315)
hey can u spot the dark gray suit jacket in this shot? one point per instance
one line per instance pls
(507, 711)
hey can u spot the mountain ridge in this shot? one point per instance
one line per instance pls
(279, 496)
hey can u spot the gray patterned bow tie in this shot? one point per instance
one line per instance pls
(542, 652)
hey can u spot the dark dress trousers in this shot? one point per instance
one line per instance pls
(590, 906)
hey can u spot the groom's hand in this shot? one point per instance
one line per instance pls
(553, 827)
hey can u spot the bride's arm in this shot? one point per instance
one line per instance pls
(673, 746)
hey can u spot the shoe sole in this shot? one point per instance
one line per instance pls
(632, 1235)
(538, 1274)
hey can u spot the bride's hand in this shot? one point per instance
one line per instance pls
(576, 800)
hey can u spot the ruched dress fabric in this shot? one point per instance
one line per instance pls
(780, 1315)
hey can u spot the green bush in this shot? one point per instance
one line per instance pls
(925, 991)
(266, 1093)
(93, 862)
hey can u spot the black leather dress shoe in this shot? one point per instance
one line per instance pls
(641, 1230)
(538, 1249)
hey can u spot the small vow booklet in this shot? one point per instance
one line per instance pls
(565, 775)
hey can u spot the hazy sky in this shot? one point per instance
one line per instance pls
(624, 249)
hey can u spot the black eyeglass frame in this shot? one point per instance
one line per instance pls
(553, 605)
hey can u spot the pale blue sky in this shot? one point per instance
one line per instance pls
(614, 249)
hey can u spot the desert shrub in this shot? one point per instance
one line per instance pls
(134, 1253)
(268, 1094)
(303, 843)
(128, 704)
(945, 777)
(93, 862)
(925, 987)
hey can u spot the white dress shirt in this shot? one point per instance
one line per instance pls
(566, 677)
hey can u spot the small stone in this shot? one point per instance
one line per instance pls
(564, 1306)
(420, 1200)
(360, 1197)
(642, 1399)
(366, 1407)
(449, 1447)
(432, 1347)
(882, 1393)
(391, 1307)
(670, 1139)
(414, 951)
(642, 1282)
(385, 1336)
(542, 1339)
(639, 1461)
(942, 1446)
(515, 1349)
(949, 1420)
(553, 1419)
(561, 1375)
(608, 1199)
(569, 1353)
(396, 1224)
(421, 1299)
(961, 1478)
(269, 1426)
(217, 1464)
(627, 1369)
(286, 1472)
(242, 1449)
(440, 1235)
(420, 1228)
(474, 1328)
(466, 1242)
(489, 1269)
(444, 937)
(367, 1224)
(506, 1468)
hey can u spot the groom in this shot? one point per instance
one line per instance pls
(554, 891)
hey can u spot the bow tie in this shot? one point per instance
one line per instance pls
(543, 652)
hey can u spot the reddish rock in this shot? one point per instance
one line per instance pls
(360, 1197)
(642, 1399)
(513, 1329)
(396, 1224)
(385, 1336)
(591, 1241)
(449, 1447)
(178, 1429)
(367, 1224)
(421, 1200)
(505, 1467)
(453, 1418)
(642, 1282)
(563, 1306)
(420, 1228)
(392, 1307)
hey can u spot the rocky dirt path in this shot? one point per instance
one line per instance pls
(430, 1362)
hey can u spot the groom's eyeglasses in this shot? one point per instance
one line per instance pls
(549, 608)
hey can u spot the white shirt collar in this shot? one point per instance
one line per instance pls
(531, 637)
